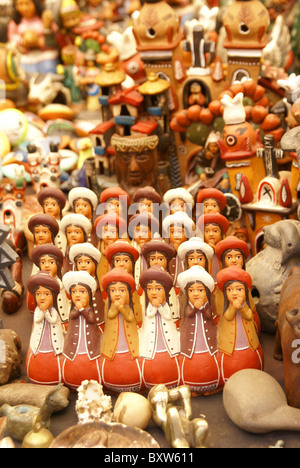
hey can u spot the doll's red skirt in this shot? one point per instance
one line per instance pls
(162, 369)
(80, 369)
(44, 368)
(121, 374)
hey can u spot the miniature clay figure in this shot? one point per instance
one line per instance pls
(120, 342)
(84, 201)
(77, 229)
(114, 200)
(214, 201)
(42, 229)
(11, 362)
(195, 252)
(82, 341)
(53, 201)
(198, 333)
(70, 17)
(244, 351)
(179, 199)
(146, 199)
(158, 336)
(47, 336)
(49, 258)
(86, 257)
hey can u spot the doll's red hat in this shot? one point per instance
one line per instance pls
(120, 246)
(113, 192)
(110, 219)
(212, 193)
(233, 274)
(232, 243)
(117, 275)
(213, 218)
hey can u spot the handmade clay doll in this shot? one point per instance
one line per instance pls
(147, 199)
(114, 200)
(86, 257)
(195, 252)
(198, 333)
(158, 336)
(121, 254)
(214, 201)
(120, 341)
(84, 201)
(77, 229)
(53, 201)
(70, 18)
(82, 341)
(47, 336)
(49, 258)
(237, 337)
(213, 227)
(42, 229)
(179, 199)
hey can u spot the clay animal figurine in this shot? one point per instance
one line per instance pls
(84, 201)
(81, 350)
(158, 336)
(49, 258)
(86, 257)
(244, 351)
(275, 261)
(286, 346)
(198, 333)
(120, 341)
(47, 337)
(77, 229)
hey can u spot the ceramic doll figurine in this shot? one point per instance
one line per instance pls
(32, 30)
(53, 201)
(43, 229)
(146, 199)
(214, 201)
(122, 254)
(47, 336)
(179, 199)
(120, 367)
(114, 200)
(109, 228)
(232, 251)
(198, 333)
(158, 336)
(195, 252)
(82, 341)
(84, 201)
(69, 19)
(77, 229)
(213, 227)
(86, 257)
(238, 342)
(49, 258)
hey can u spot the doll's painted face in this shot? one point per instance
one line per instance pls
(85, 263)
(211, 205)
(196, 257)
(234, 258)
(157, 258)
(236, 294)
(212, 234)
(109, 234)
(156, 293)
(145, 205)
(26, 8)
(197, 295)
(177, 205)
(177, 235)
(74, 235)
(48, 263)
(44, 298)
(83, 207)
(142, 234)
(112, 205)
(42, 235)
(51, 207)
(80, 296)
(71, 19)
(119, 294)
(123, 261)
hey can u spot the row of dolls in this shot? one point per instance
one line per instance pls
(125, 335)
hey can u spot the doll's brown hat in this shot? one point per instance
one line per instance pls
(156, 273)
(46, 249)
(158, 244)
(45, 220)
(43, 279)
(51, 192)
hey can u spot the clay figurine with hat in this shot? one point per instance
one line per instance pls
(86, 257)
(238, 341)
(159, 337)
(43, 360)
(213, 200)
(198, 333)
(82, 341)
(84, 201)
(147, 199)
(179, 199)
(114, 200)
(195, 252)
(120, 341)
(77, 229)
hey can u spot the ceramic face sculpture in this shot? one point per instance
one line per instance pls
(47, 336)
(159, 338)
(195, 252)
(114, 200)
(179, 200)
(198, 333)
(44, 229)
(82, 341)
(77, 229)
(244, 351)
(120, 341)
(214, 201)
(52, 201)
(145, 199)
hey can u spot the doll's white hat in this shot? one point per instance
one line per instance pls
(178, 218)
(76, 220)
(84, 249)
(75, 277)
(195, 243)
(193, 274)
(83, 192)
(179, 192)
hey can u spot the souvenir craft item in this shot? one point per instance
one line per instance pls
(77, 229)
(84, 201)
(120, 366)
(214, 201)
(147, 199)
(114, 200)
(179, 199)
(53, 201)
(195, 252)
(81, 350)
